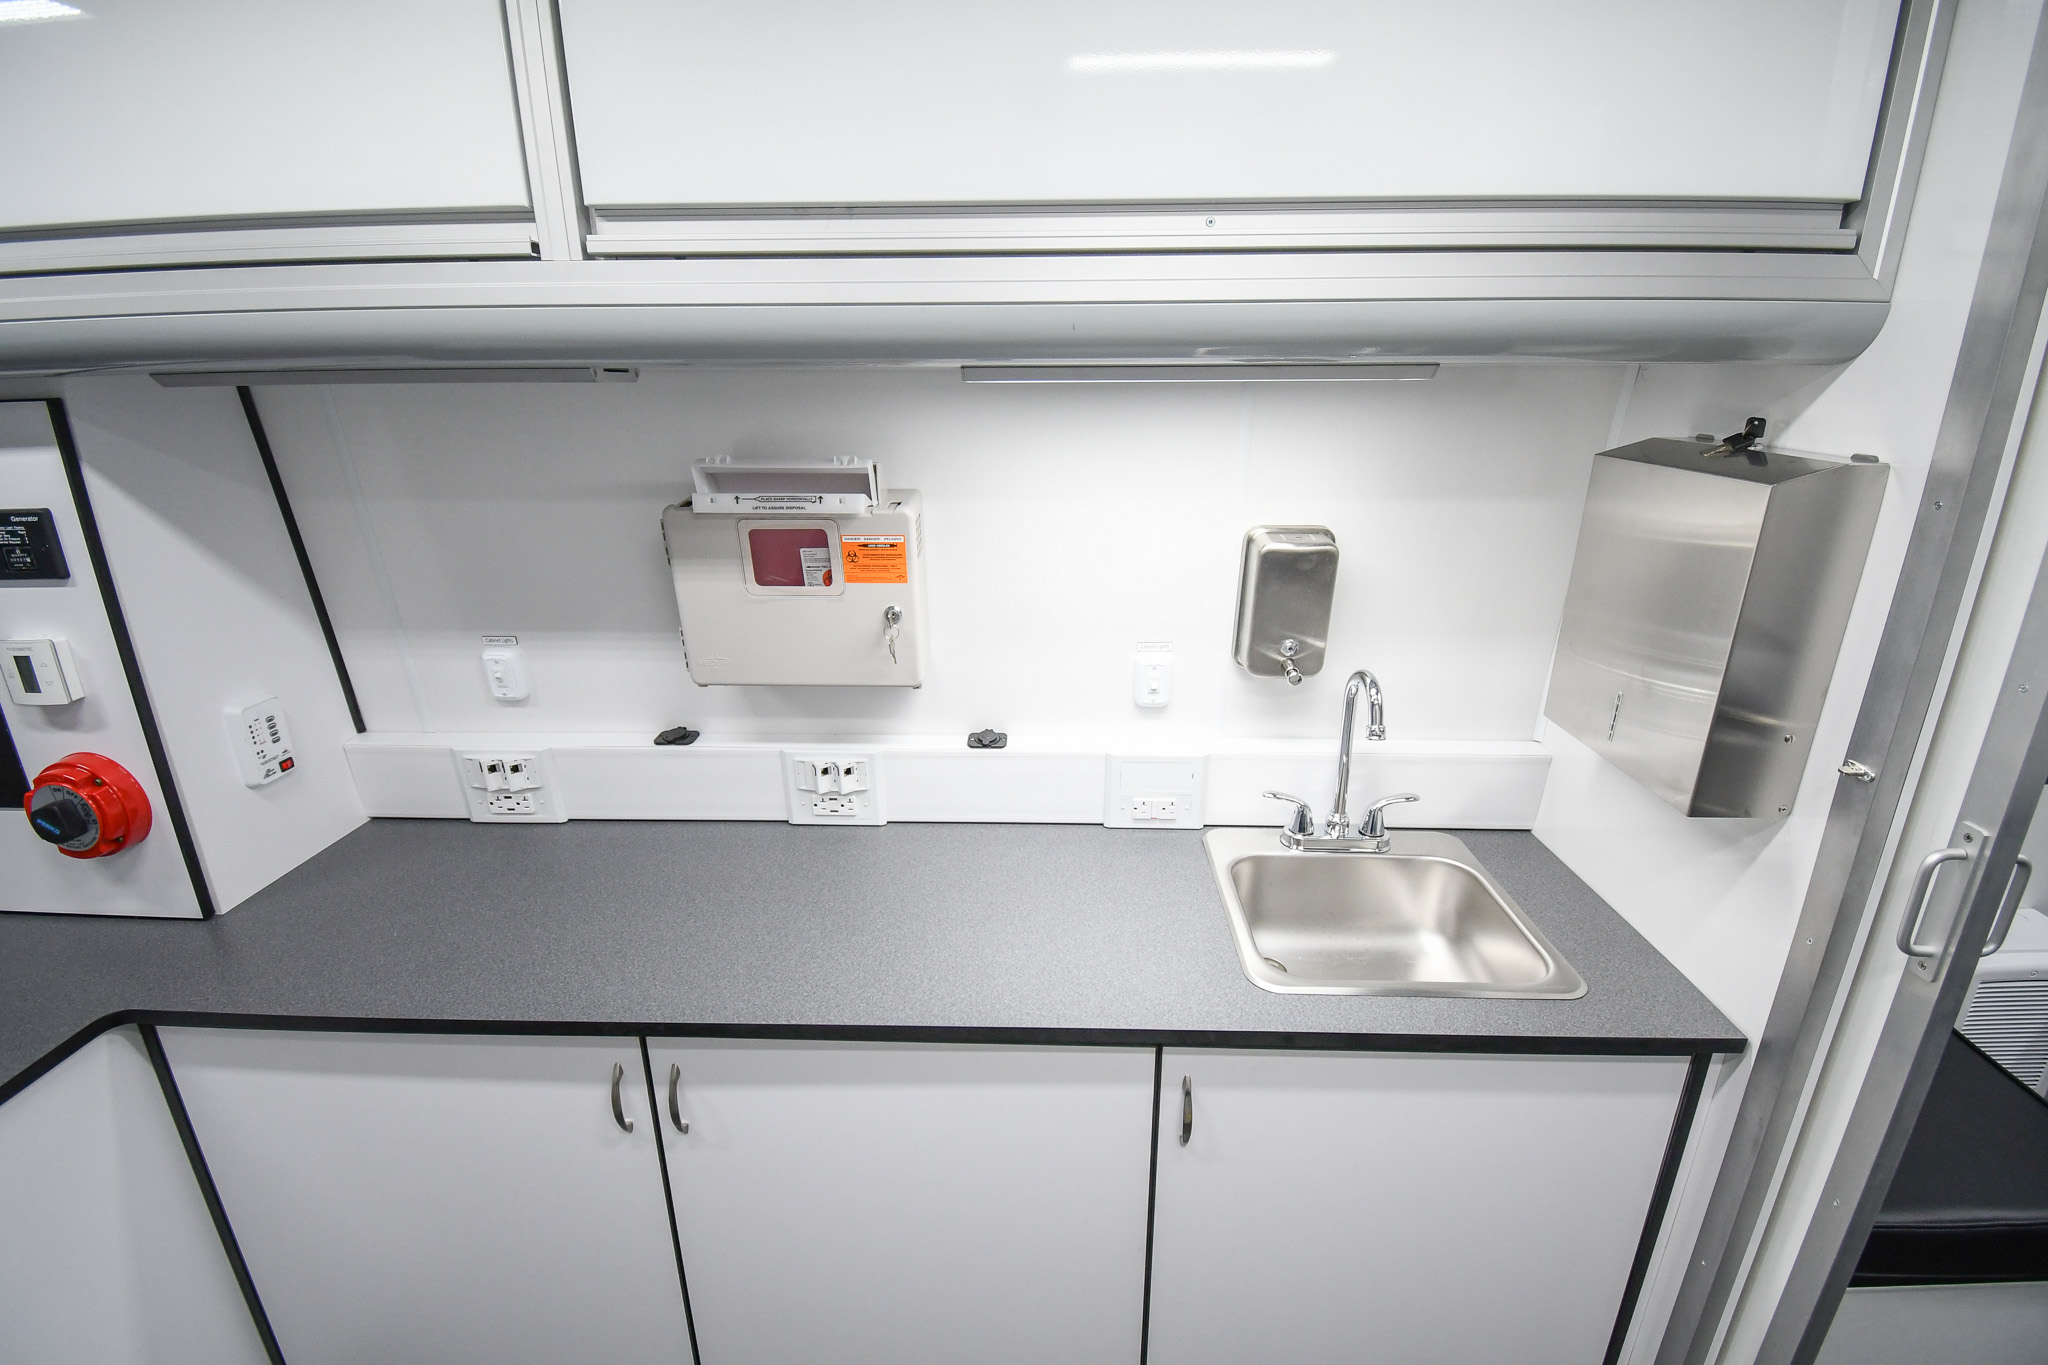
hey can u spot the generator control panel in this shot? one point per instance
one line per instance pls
(29, 548)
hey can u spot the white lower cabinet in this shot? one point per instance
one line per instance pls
(440, 1199)
(906, 1204)
(1333, 1207)
(107, 1253)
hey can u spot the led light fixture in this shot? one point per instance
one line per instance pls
(1229, 372)
(1114, 63)
(30, 11)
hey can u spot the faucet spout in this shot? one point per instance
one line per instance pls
(1338, 825)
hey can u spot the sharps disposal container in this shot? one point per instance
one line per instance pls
(799, 575)
(1706, 609)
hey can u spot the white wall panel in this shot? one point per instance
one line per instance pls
(221, 620)
(107, 1253)
(1063, 524)
(916, 101)
(149, 878)
(136, 111)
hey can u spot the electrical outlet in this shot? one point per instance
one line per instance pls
(511, 787)
(832, 788)
(1154, 793)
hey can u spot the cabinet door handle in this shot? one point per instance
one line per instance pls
(675, 1112)
(618, 1106)
(1187, 1110)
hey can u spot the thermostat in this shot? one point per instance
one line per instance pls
(41, 672)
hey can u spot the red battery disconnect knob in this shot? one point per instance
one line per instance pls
(88, 806)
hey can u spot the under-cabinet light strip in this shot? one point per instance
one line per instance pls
(1234, 373)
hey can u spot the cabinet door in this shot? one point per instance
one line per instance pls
(898, 1205)
(919, 102)
(1342, 1207)
(139, 111)
(107, 1253)
(404, 1198)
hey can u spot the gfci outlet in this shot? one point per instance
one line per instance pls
(832, 787)
(1154, 793)
(511, 787)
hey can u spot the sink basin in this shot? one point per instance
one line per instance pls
(1423, 918)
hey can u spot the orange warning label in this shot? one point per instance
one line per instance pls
(875, 559)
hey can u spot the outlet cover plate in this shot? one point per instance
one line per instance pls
(828, 785)
(510, 786)
(1147, 792)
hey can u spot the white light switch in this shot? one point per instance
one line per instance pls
(262, 741)
(40, 672)
(1152, 675)
(505, 673)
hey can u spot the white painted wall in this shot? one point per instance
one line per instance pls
(219, 613)
(107, 1253)
(1063, 525)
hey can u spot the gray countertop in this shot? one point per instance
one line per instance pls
(1048, 932)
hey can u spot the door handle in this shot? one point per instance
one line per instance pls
(1916, 904)
(1187, 1110)
(618, 1107)
(2009, 908)
(675, 1112)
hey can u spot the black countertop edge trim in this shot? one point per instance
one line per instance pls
(891, 1033)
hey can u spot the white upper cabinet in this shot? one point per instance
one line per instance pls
(917, 102)
(139, 111)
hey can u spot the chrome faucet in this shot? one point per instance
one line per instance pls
(1337, 837)
(1339, 823)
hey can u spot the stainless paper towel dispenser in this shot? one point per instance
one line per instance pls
(1707, 604)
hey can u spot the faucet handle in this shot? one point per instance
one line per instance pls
(1302, 823)
(1374, 825)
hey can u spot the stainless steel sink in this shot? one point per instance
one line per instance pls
(1423, 918)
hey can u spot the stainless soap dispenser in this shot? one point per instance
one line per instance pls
(1283, 600)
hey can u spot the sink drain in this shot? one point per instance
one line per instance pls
(1276, 965)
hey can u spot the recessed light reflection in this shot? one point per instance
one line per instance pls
(28, 11)
(1113, 63)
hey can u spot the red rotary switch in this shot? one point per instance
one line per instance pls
(88, 806)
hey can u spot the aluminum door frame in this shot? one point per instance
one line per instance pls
(2005, 787)
(1995, 373)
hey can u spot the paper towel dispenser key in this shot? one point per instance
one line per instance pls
(798, 574)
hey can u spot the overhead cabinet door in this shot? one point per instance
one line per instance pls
(464, 1201)
(139, 111)
(917, 102)
(1326, 1209)
(871, 1205)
